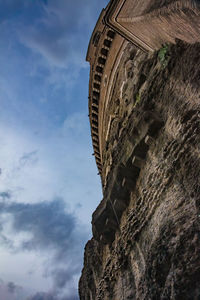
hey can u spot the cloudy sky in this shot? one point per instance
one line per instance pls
(48, 178)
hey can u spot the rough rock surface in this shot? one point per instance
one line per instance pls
(148, 246)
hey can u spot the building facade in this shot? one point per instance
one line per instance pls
(144, 109)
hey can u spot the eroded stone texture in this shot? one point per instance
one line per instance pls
(148, 247)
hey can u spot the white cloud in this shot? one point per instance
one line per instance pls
(76, 124)
(45, 143)
(59, 33)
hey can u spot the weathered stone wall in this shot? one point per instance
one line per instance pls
(146, 230)
(151, 23)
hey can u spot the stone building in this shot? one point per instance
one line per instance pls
(144, 108)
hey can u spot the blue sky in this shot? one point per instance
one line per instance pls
(48, 178)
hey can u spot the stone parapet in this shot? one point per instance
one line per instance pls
(148, 25)
(103, 55)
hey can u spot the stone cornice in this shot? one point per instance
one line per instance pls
(95, 89)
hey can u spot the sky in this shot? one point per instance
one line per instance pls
(48, 178)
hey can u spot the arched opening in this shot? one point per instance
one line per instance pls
(97, 154)
(95, 135)
(96, 95)
(99, 69)
(96, 148)
(104, 51)
(94, 108)
(95, 101)
(96, 38)
(94, 139)
(107, 43)
(96, 86)
(95, 117)
(95, 123)
(101, 60)
(97, 78)
(94, 129)
(111, 34)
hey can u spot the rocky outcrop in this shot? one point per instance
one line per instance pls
(146, 230)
